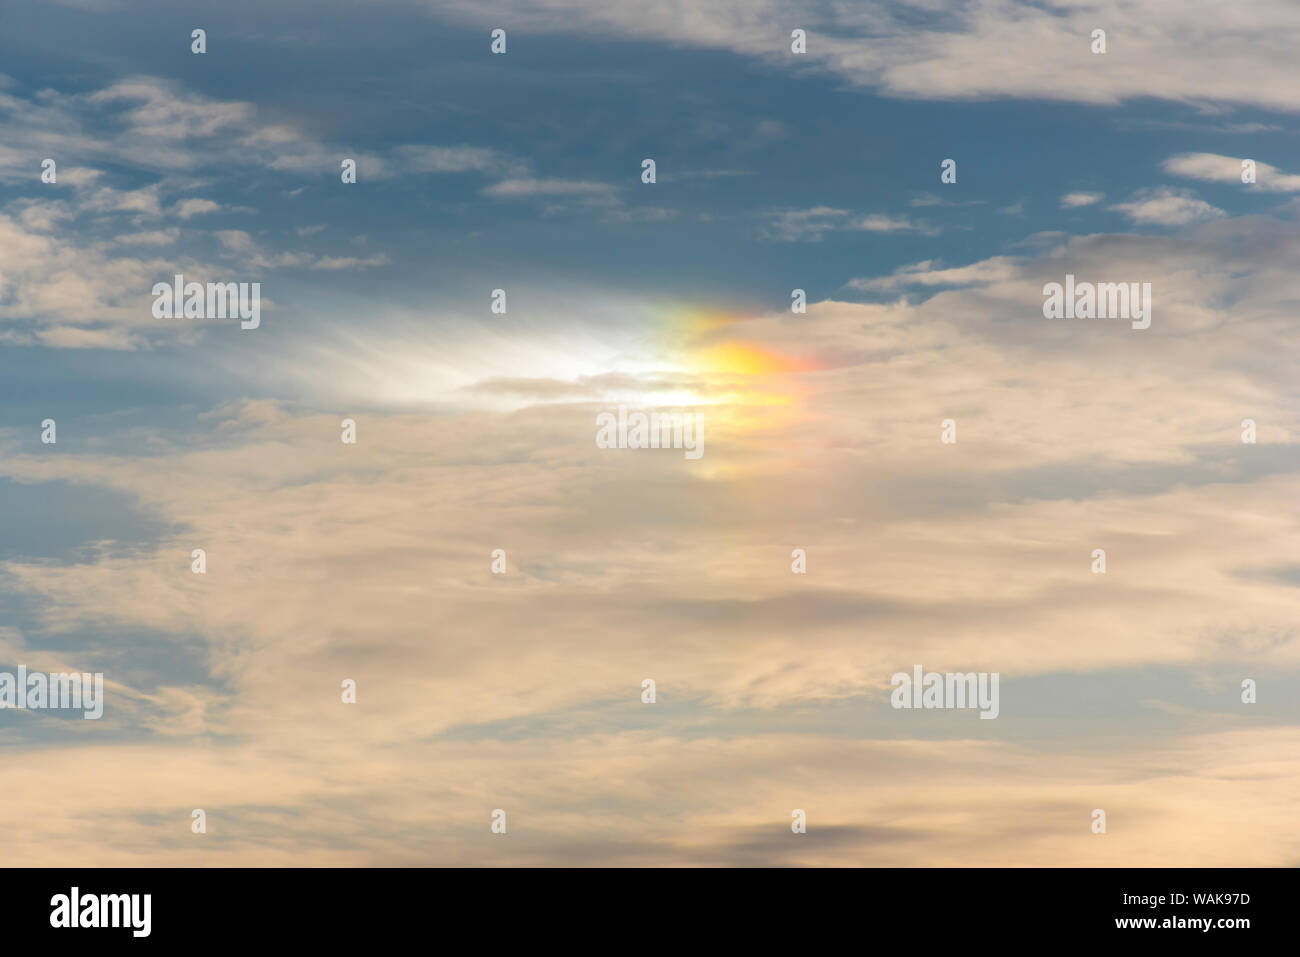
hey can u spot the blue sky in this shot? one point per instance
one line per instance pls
(775, 171)
(737, 141)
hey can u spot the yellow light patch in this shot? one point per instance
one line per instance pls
(740, 358)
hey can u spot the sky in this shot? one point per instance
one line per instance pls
(521, 690)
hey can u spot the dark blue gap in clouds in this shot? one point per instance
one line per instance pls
(61, 521)
(1281, 574)
(142, 659)
(935, 494)
(1078, 712)
(106, 394)
(145, 659)
(233, 825)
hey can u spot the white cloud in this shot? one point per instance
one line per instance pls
(145, 201)
(155, 237)
(881, 223)
(160, 112)
(1216, 168)
(930, 199)
(451, 159)
(526, 188)
(1166, 206)
(930, 273)
(811, 225)
(189, 208)
(155, 124)
(1074, 200)
(349, 262)
(1165, 49)
(235, 240)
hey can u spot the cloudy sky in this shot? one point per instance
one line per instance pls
(475, 431)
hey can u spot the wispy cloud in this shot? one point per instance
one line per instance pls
(1075, 200)
(1167, 51)
(1216, 168)
(529, 188)
(1167, 206)
(812, 225)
